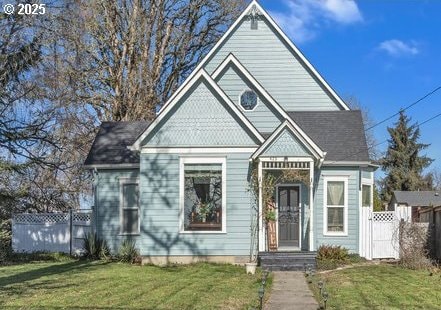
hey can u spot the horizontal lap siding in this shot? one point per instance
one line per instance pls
(366, 174)
(160, 210)
(351, 241)
(272, 64)
(263, 116)
(108, 207)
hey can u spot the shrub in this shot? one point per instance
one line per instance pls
(413, 238)
(355, 258)
(330, 252)
(5, 240)
(128, 253)
(330, 257)
(327, 264)
(95, 248)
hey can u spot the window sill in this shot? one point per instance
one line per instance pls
(202, 232)
(203, 225)
(335, 234)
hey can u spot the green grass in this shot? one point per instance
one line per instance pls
(380, 287)
(85, 284)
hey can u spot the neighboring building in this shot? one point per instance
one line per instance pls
(180, 185)
(414, 201)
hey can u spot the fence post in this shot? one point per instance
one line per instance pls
(70, 230)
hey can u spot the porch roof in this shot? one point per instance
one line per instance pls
(296, 143)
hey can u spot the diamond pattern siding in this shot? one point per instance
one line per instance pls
(286, 144)
(201, 119)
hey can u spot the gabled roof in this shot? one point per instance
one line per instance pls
(201, 75)
(290, 44)
(111, 142)
(297, 132)
(418, 198)
(339, 133)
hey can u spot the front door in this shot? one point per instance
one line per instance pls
(288, 216)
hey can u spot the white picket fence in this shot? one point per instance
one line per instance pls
(50, 232)
(379, 235)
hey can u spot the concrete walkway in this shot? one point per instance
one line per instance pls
(290, 291)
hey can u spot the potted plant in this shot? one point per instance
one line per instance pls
(203, 211)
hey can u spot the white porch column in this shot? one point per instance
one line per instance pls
(260, 214)
(311, 204)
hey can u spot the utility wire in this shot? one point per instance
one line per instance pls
(406, 108)
(384, 141)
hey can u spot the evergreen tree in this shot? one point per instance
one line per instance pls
(403, 163)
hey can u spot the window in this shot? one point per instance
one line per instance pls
(248, 100)
(203, 195)
(366, 194)
(335, 211)
(129, 193)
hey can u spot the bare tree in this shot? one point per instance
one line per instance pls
(127, 57)
(99, 60)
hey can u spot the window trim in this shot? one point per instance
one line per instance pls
(345, 206)
(240, 99)
(202, 160)
(369, 183)
(122, 182)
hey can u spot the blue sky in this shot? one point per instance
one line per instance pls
(385, 53)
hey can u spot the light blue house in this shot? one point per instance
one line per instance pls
(182, 186)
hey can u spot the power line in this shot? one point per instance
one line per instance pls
(384, 141)
(406, 108)
(430, 119)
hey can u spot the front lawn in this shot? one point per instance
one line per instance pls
(380, 287)
(84, 284)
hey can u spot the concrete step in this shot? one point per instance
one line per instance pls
(287, 261)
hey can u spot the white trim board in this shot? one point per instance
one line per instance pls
(304, 139)
(345, 207)
(195, 150)
(251, 6)
(202, 160)
(128, 181)
(111, 166)
(201, 74)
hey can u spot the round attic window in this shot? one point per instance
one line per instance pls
(248, 100)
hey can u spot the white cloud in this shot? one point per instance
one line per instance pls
(396, 47)
(304, 18)
(343, 11)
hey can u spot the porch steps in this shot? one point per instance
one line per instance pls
(287, 261)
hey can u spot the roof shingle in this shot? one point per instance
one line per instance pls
(418, 198)
(339, 133)
(111, 142)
